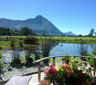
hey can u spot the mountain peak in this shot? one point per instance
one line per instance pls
(39, 16)
(69, 34)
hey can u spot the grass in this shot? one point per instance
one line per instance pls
(5, 44)
(5, 40)
(84, 40)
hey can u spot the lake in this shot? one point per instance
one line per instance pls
(56, 50)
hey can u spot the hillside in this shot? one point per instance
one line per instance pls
(38, 24)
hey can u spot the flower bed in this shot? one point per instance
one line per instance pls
(69, 74)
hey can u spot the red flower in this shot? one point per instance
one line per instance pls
(52, 71)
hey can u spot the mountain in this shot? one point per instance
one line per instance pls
(69, 34)
(38, 24)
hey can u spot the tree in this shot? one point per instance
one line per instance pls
(24, 31)
(91, 33)
(4, 31)
(27, 31)
(44, 33)
(80, 35)
(95, 34)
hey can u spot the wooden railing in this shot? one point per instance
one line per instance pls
(54, 57)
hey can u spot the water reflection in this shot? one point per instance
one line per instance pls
(83, 49)
(72, 49)
(93, 46)
(49, 50)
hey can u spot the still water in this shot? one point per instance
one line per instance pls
(56, 50)
(72, 49)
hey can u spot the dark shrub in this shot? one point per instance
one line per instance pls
(30, 40)
(1, 62)
(12, 43)
(16, 62)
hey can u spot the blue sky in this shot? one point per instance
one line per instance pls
(78, 16)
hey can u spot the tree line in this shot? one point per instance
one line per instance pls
(24, 31)
(92, 33)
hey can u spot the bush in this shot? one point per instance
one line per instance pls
(0, 54)
(1, 62)
(0, 47)
(21, 43)
(90, 60)
(16, 62)
(12, 43)
(30, 40)
(1, 65)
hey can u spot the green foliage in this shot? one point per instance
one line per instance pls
(0, 54)
(15, 32)
(94, 53)
(41, 40)
(37, 55)
(16, 62)
(1, 65)
(74, 62)
(12, 43)
(31, 40)
(44, 33)
(91, 33)
(46, 48)
(1, 62)
(27, 31)
(0, 47)
(21, 43)
(90, 60)
(4, 31)
(24, 31)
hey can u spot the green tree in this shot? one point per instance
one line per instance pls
(27, 31)
(91, 33)
(44, 33)
(80, 35)
(4, 31)
(95, 34)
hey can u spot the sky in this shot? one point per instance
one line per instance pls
(78, 16)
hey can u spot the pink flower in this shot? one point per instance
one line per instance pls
(50, 65)
(64, 65)
(46, 70)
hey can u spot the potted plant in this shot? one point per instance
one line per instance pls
(69, 74)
